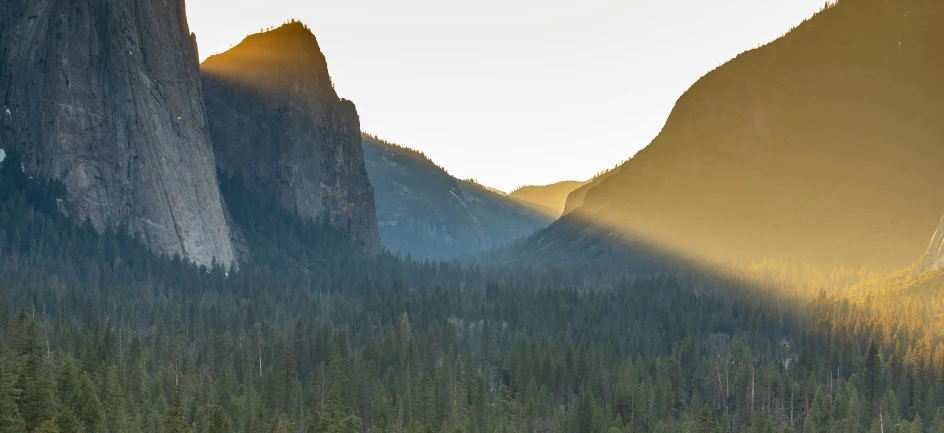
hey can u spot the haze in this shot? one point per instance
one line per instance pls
(513, 92)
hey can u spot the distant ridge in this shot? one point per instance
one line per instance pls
(425, 212)
(552, 197)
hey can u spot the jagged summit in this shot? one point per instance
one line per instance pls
(282, 59)
(276, 120)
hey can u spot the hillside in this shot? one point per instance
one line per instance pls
(424, 211)
(821, 147)
(553, 196)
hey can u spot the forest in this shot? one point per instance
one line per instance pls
(97, 334)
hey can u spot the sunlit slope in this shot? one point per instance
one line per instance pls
(552, 197)
(424, 211)
(575, 198)
(824, 146)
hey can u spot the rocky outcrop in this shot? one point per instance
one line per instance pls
(105, 96)
(427, 213)
(276, 120)
(934, 257)
(576, 197)
(550, 198)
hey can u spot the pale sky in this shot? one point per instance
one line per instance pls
(513, 92)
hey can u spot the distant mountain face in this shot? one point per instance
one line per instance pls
(105, 96)
(933, 258)
(822, 147)
(552, 197)
(425, 212)
(575, 199)
(276, 121)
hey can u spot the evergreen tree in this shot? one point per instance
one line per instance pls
(707, 421)
(10, 419)
(176, 418)
(871, 377)
(35, 401)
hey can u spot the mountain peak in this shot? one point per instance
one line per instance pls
(280, 59)
(275, 119)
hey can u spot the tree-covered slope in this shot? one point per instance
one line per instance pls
(99, 334)
(424, 211)
(823, 146)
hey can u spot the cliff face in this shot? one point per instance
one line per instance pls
(933, 258)
(425, 212)
(552, 197)
(105, 96)
(275, 119)
(822, 147)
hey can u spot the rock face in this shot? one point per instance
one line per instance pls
(276, 120)
(425, 212)
(552, 197)
(105, 96)
(822, 147)
(575, 198)
(934, 257)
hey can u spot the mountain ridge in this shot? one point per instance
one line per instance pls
(818, 147)
(552, 196)
(427, 213)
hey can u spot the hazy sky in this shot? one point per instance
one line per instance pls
(513, 92)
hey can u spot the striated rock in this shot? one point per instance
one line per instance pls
(934, 257)
(105, 96)
(275, 119)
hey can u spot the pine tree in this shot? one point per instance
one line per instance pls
(871, 377)
(10, 419)
(176, 418)
(67, 422)
(35, 400)
(707, 421)
(219, 422)
(88, 407)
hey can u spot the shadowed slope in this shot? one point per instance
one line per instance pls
(424, 211)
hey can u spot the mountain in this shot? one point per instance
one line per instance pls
(426, 212)
(575, 198)
(276, 121)
(105, 97)
(553, 196)
(822, 147)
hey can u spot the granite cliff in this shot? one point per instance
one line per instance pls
(276, 120)
(105, 96)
